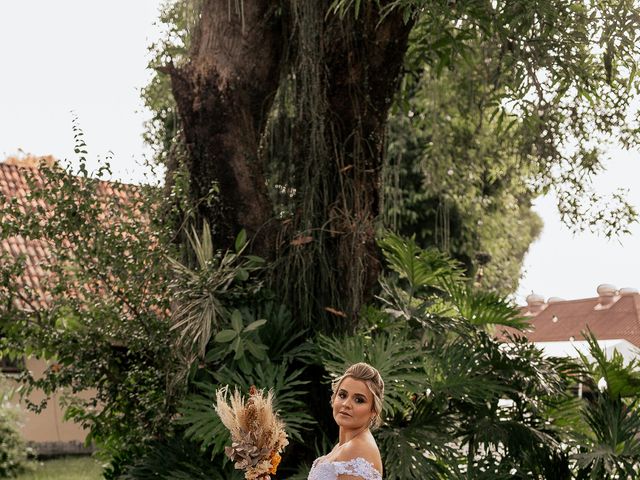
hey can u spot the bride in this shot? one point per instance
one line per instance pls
(357, 408)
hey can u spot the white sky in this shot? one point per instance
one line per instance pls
(90, 57)
(85, 56)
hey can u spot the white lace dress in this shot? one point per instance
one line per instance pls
(357, 467)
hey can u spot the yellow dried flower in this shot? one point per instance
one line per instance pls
(275, 461)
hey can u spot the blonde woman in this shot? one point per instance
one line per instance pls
(357, 409)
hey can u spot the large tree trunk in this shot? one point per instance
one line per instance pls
(364, 57)
(346, 74)
(224, 94)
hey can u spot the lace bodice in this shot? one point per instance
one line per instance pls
(357, 467)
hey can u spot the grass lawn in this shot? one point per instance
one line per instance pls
(70, 468)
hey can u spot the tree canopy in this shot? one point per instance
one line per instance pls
(497, 103)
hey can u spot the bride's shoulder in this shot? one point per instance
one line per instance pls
(358, 448)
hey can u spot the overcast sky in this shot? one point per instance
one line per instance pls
(89, 58)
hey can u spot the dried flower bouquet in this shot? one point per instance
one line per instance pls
(257, 434)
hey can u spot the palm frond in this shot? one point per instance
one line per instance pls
(429, 314)
(204, 426)
(396, 357)
(288, 389)
(463, 371)
(414, 444)
(483, 308)
(623, 379)
(614, 449)
(421, 268)
(285, 339)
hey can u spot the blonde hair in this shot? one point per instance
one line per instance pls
(371, 377)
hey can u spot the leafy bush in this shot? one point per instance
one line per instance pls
(606, 433)
(448, 378)
(103, 286)
(13, 451)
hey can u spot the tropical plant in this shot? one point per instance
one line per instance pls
(607, 439)
(203, 296)
(458, 402)
(448, 379)
(454, 176)
(13, 449)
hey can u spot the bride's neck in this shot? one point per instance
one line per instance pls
(348, 435)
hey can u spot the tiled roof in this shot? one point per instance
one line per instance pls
(561, 320)
(13, 184)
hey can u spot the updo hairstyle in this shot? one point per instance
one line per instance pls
(371, 377)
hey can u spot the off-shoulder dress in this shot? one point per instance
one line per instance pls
(323, 469)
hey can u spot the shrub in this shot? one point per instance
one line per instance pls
(13, 450)
(104, 284)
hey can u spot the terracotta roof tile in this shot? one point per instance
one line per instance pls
(561, 320)
(13, 184)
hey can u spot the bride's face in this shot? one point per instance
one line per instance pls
(353, 404)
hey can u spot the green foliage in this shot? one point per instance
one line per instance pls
(614, 450)
(178, 459)
(606, 436)
(113, 284)
(622, 378)
(421, 268)
(285, 340)
(494, 95)
(483, 308)
(13, 450)
(103, 287)
(203, 291)
(237, 337)
(288, 388)
(162, 130)
(256, 342)
(456, 182)
(448, 380)
(502, 102)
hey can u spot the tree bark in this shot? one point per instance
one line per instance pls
(224, 94)
(332, 126)
(364, 57)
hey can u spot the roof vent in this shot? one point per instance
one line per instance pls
(535, 303)
(607, 295)
(628, 291)
(555, 300)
